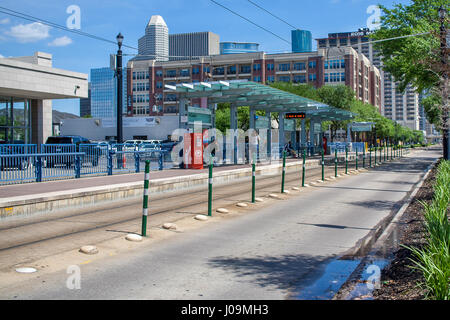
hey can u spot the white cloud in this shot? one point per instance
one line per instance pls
(32, 32)
(5, 21)
(1, 56)
(60, 42)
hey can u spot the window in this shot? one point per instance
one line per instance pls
(332, 42)
(270, 66)
(343, 42)
(184, 73)
(284, 78)
(257, 79)
(245, 69)
(322, 43)
(300, 78)
(206, 69)
(312, 64)
(299, 66)
(171, 73)
(134, 75)
(159, 73)
(312, 77)
(231, 70)
(159, 84)
(270, 78)
(219, 71)
(195, 70)
(256, 67)
(284, 66)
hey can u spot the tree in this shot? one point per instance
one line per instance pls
(420, 60)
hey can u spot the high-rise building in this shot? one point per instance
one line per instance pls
(395, 105)
(238, 47)
(155, 42)
(301, 41)
(104, 93)
(85, 104)
(182, 46)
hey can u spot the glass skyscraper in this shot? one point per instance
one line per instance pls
(104, 93)
(301, 41)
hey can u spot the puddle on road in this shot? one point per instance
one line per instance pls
(368, 280)
(335, 274)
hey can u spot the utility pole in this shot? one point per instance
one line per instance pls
(444, 83)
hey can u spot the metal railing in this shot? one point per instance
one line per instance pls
(68, 161)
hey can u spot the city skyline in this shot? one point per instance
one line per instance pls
(19, 37)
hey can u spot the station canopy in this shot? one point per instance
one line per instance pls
(259, 97)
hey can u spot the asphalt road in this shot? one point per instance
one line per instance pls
(271, 253)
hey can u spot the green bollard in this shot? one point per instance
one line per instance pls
(145, 199)
(375, 154)
(356, 158)
(253, 180)
(210, 183)
(380, 154)
(370, 157)
(303, 168)
(335, 162)
(346, 159)
(323, 168)
(364, 156)
(283, 172)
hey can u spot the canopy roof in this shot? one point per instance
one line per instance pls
(260, 97)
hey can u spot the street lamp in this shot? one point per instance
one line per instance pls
(119, 39)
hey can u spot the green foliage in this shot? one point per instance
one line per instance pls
(411, 60)
(434, 259)
(432, 104)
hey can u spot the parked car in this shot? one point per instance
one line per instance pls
(92, 151)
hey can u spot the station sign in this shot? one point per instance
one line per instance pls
(295, 115)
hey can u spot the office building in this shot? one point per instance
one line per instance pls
(351, 68)
(27, 87)
(85, 104)
(238, 47)
(104, 93)
(155, 42)
(182, 46)
(301, 41)
(395, 105)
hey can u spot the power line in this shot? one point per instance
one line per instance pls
(78, 32)
(258, 6)
(250, 21)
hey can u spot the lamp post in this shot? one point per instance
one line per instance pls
(119, 39)
(444, 83)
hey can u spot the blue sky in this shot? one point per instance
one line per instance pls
(106, 18)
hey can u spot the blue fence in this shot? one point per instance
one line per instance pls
(22, 163)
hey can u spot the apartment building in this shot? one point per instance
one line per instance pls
(401, 107)
(146, 78)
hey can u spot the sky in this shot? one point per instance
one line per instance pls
(106, 18)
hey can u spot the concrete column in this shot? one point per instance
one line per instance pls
(233, 126)
(183, 113)
(41, 121)
(252, 118)
(311, 134)
(303, 133)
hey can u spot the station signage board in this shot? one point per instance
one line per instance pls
(295, 115)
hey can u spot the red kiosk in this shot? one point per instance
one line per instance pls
(193, 151)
